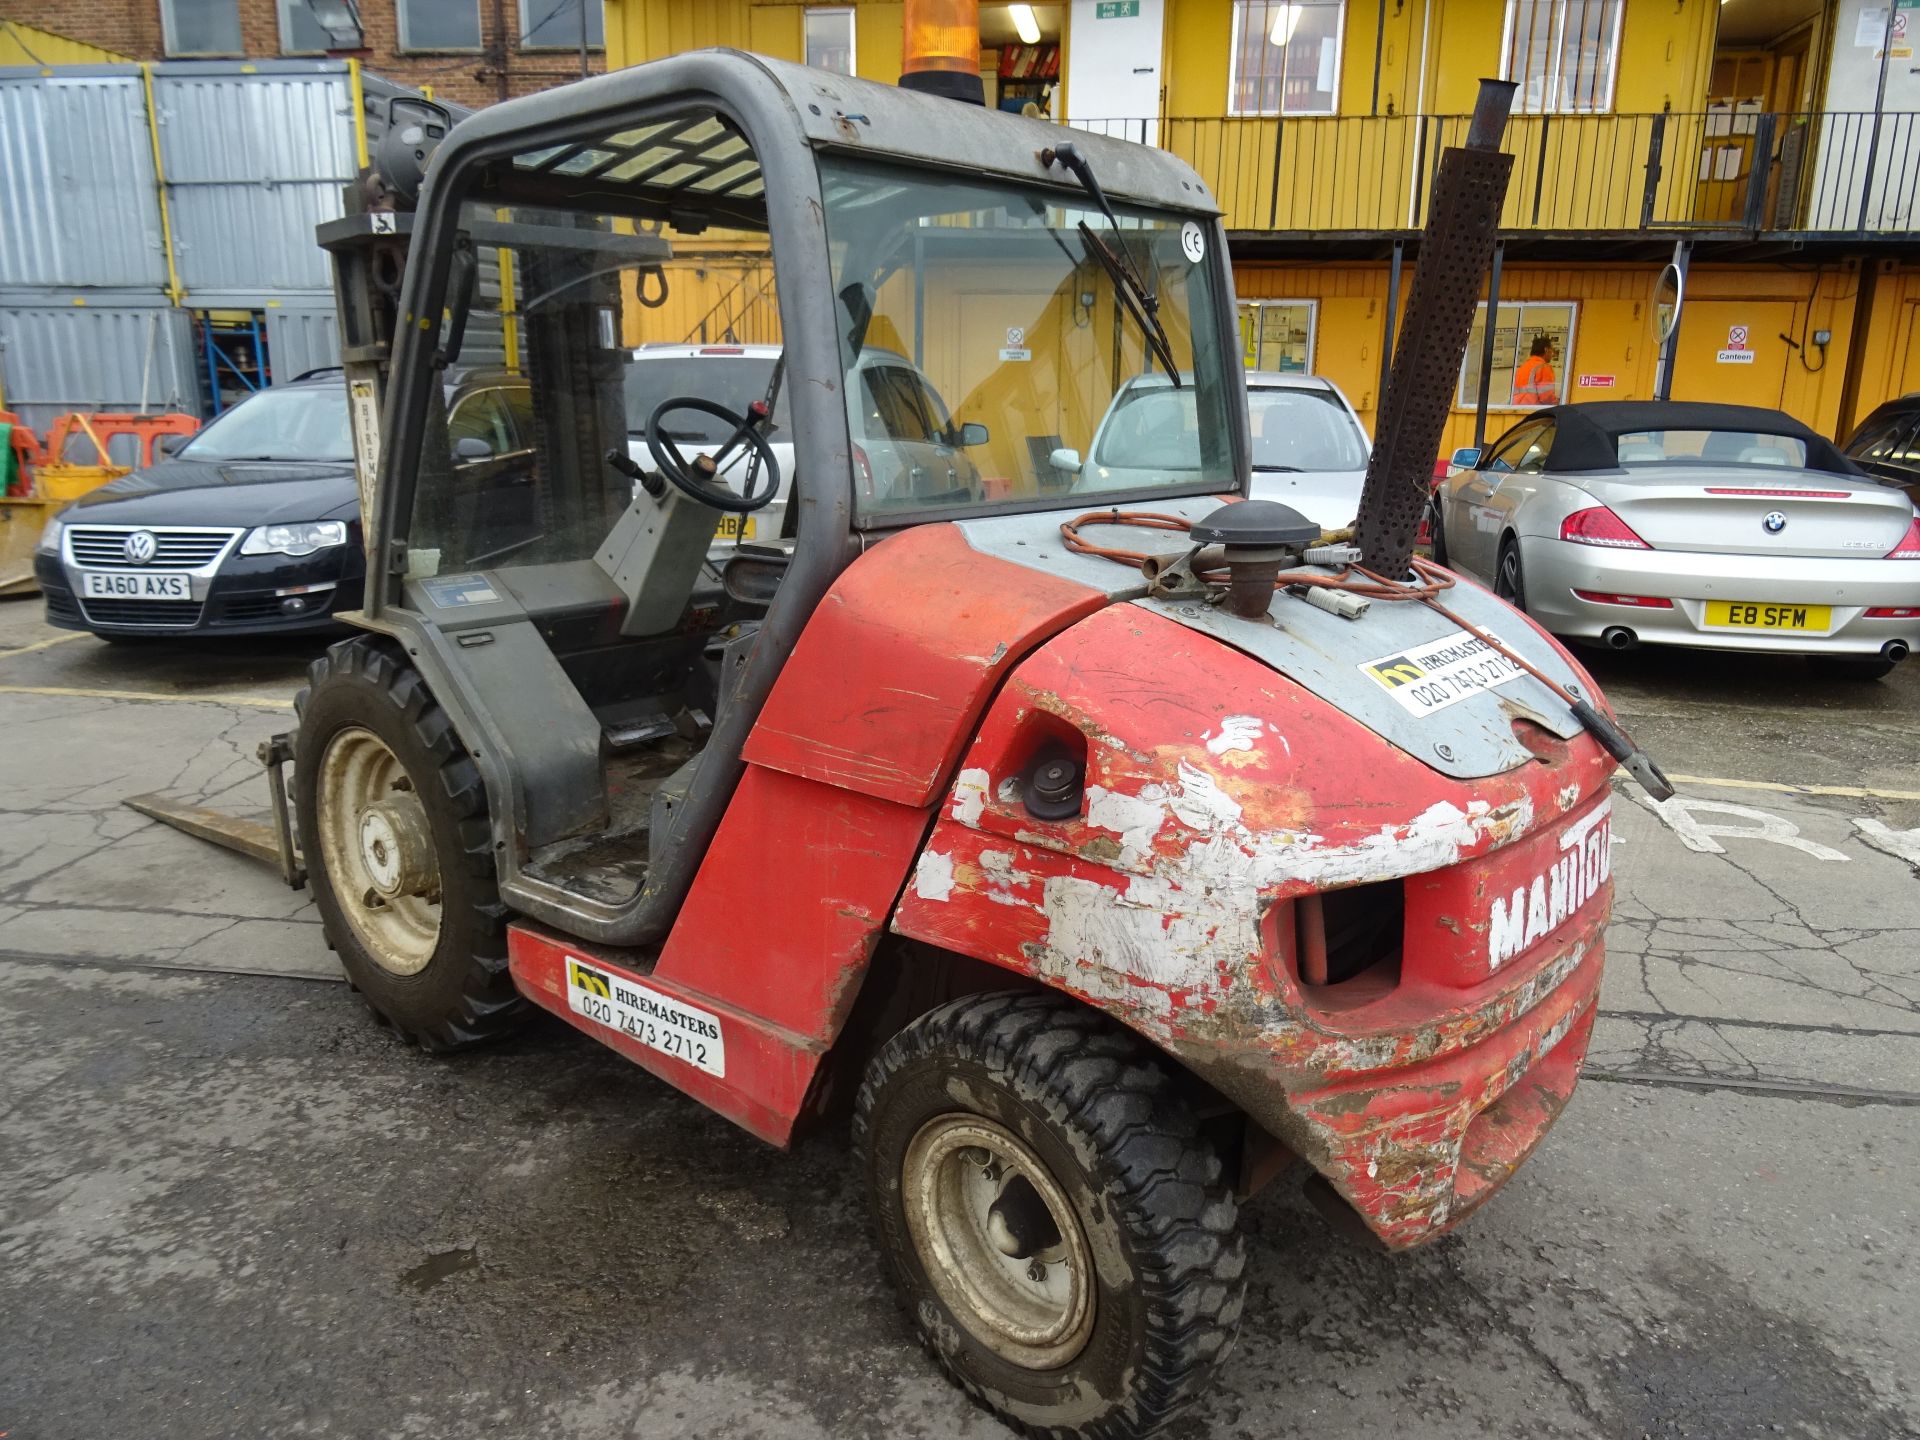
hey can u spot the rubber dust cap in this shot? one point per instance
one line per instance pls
(1259, 524)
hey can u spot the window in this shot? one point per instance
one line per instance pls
(481, 416)
(446, 24)
(300, 33)
(1532, 347)
(1310, 430)
(830, 38)
(555, 24)
(1285, 58)
(1710, 447)
(1562, 53)
(201, 27)
(1277, 335)
(1522, 450)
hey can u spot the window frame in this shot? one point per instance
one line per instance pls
(1524, 435)
(1239, 11)
(1313, 334)
(1470, 402)
(283, 10)
(524, 43)
(1555, 51)
(403, 43)
(851, 15)
(171, 45)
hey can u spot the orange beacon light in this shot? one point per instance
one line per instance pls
(940, 50)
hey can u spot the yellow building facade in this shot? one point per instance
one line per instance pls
(1762, 133)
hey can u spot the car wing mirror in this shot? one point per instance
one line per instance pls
(972, 433)
(172, 444)
(1466, 457)
(471, 448)
(1065, 458)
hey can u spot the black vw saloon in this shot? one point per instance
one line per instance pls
(253, 525)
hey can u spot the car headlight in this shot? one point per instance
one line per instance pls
(299, 538)
(49, 542)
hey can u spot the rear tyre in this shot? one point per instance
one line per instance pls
(393, 825)
(1836, 667)
(1509, 579)
(1054, 1223)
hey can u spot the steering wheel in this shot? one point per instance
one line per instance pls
(700, 479)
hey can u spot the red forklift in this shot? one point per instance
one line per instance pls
(1108, 848)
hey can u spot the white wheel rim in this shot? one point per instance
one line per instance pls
(378, 851)
(1036, 1310)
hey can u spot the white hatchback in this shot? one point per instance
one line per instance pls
(1309, 449)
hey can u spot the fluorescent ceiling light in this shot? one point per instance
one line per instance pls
(1024, 23)
(1285, 20)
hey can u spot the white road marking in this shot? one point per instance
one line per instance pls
(1679, 813)
(1901, 844)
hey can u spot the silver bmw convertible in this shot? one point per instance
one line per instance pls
(1724, 527)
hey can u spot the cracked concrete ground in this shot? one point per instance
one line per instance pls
(232, 1207)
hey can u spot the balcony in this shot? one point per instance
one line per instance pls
(1842, 175)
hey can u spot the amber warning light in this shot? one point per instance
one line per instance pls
(940, 49)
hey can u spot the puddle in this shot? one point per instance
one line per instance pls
(438, 1266)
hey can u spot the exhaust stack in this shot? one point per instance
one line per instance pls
(1455, 247)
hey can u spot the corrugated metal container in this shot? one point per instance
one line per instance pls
(105, 354)
(301, 340)
(253, 162)
(77, 202)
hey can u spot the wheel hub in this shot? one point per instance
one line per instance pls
(377, 850)
(1000, 1240)
(396, 847)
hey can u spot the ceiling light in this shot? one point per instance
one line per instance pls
(1285, 20)
(1024, 23)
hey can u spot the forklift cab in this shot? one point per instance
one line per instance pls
(944, 321)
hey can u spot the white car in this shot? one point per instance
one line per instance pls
(1309, 448)
(731, 375)
(907, 450)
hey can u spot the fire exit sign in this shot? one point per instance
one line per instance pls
(1116, 9)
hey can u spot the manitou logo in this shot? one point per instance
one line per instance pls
(1535, 911)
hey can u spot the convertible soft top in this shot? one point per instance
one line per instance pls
(1586, 436)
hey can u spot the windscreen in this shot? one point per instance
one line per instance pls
(306, 422)
(987, 343)
(1710, 447)
(1305, 430)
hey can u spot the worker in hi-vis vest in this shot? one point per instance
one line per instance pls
(1534, 383)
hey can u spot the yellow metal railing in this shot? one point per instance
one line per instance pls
(1844, 171)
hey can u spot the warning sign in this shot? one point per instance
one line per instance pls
(1736, 337)
(1737, 351)
(1595, 382)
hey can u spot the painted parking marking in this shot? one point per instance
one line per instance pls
(44, 644)
(1901, 844)
(1783, 787)
(1682, 816)
(81, 692)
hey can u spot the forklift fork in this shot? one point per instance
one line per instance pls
(270, 842)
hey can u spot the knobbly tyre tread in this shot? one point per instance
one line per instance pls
(485, 1005)
(1165, 1182)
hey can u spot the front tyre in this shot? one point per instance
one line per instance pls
(1050, 1215)
(393, 825)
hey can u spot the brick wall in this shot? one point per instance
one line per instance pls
(501, 70)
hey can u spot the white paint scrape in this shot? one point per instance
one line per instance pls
(933, 875)
(1193, 918)
(970, 796)
(1237, 733)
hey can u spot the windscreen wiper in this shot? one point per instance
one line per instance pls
(1136, 298)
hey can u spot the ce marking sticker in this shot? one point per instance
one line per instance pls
(1193, 242)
